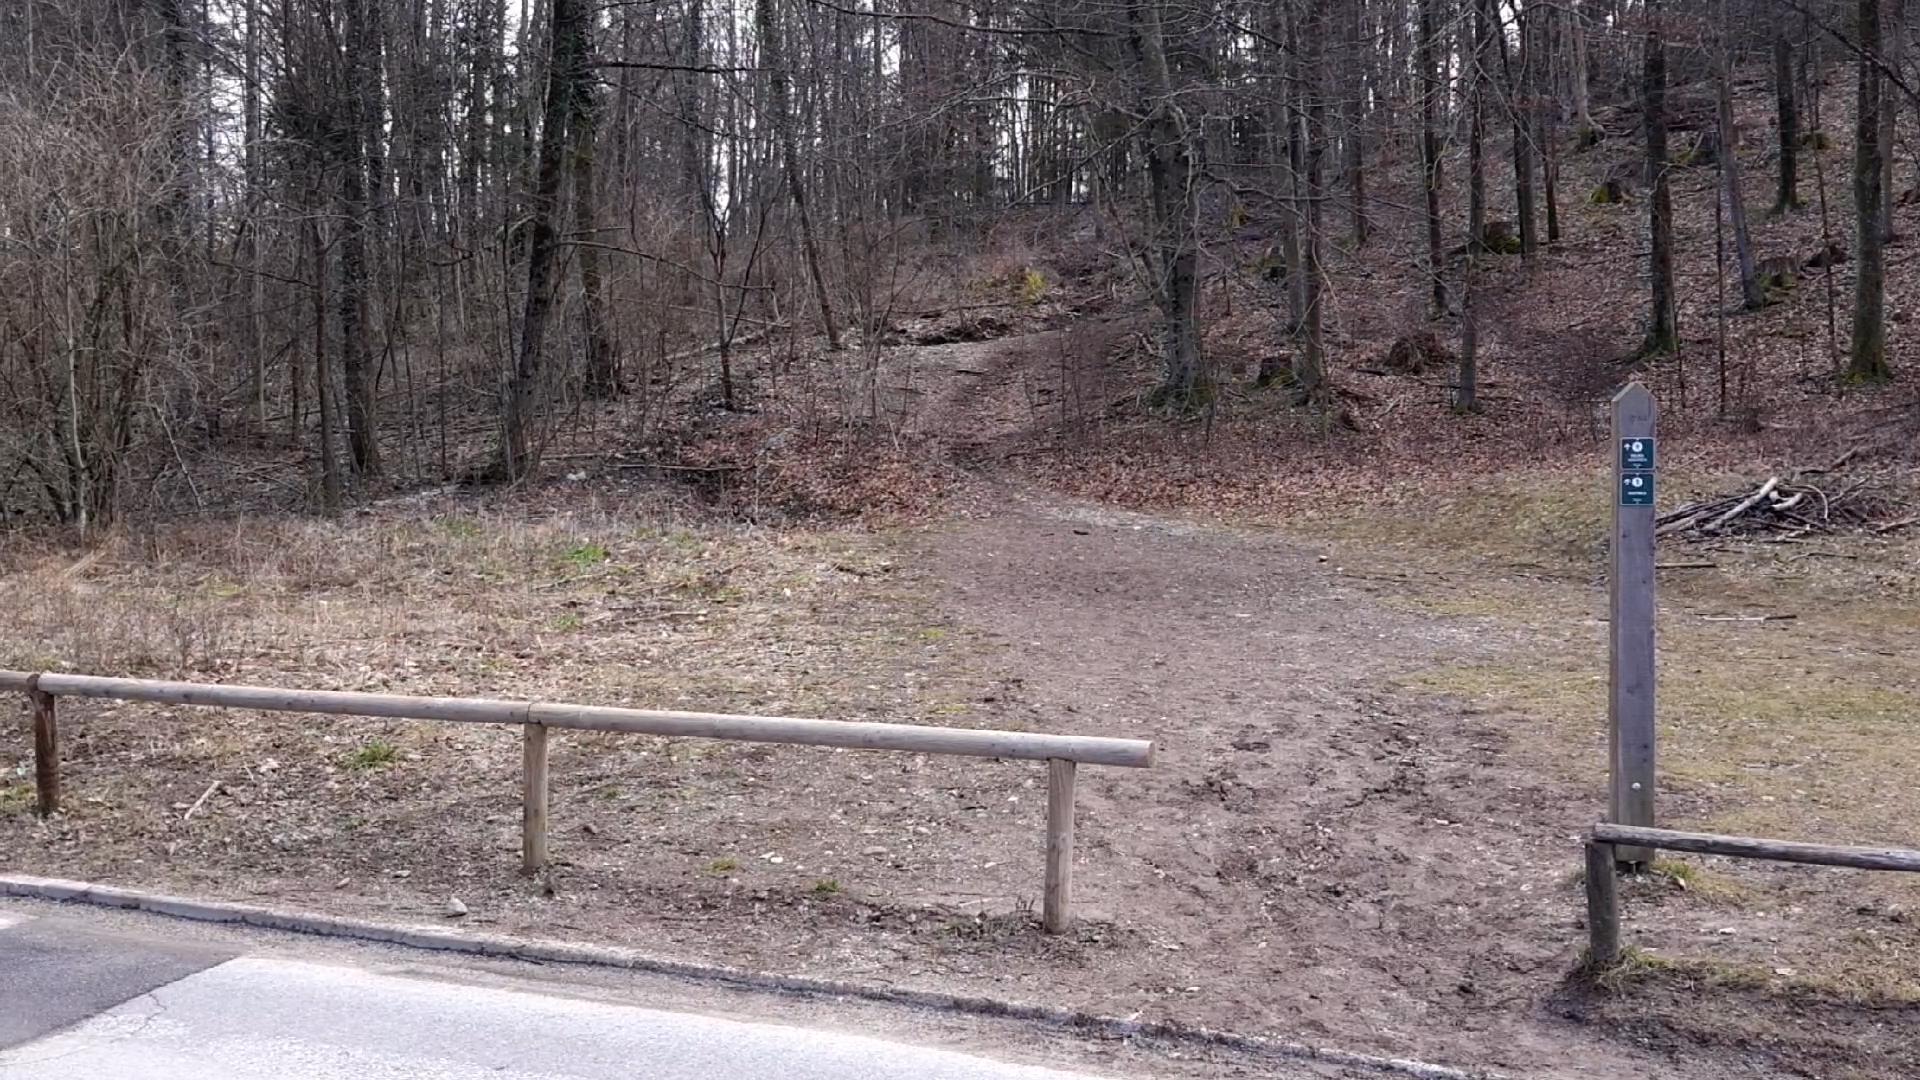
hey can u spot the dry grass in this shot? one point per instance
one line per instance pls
(1802, 729)
(598, 605)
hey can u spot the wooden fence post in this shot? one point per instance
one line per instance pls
(533, 794)
(46, 751)
(1630, 683)
(1057, 909)
(1603, 907)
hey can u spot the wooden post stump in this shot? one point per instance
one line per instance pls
(533, 795)
(1603, 907)
(1057, 909)
(46, 751)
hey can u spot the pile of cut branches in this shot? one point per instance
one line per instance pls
(1811, 500)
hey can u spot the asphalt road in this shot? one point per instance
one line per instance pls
(77, 1000)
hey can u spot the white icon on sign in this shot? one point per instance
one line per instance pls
(1636, 481)
(1636, 446)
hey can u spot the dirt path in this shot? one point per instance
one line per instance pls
(1308, 856)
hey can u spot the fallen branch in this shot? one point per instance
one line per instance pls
(1746, 504)
(201, 801)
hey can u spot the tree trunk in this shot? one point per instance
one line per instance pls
(1894, 47)
(353, 128)
(1541, 117)
(1353, 109)
(1663, 332)
(1478, 74)
(773, 58)
(1466, 395)
(1297, 198)
(1751, 293)
(1787, 198)
(1516, 114)
(1172, 189)
(256, 195)
(1432, 86)
(322, 371)
(519, 452)
(1585, 131)
(1867, 361)
(1309, 361)
(603, 376)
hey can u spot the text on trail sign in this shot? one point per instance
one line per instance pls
(1636, 488)
(1636, 453)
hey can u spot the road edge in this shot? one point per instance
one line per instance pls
(559, 952)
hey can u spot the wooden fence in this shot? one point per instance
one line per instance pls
(1603, 891)
(1062, 753)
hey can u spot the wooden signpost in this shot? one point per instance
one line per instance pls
(1630, 632)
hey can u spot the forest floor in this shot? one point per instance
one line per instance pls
(1380, 723)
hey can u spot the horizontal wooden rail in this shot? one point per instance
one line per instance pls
(1742, 847)
(1062, 752)
(1603, 898)
(849, 734)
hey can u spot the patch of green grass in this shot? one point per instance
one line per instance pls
(566, 622)
(374, 755)
(1856, 981)
(723, 866)
(586, 555)
(1633, 965)
(17, 798)
(1692, 878)
(1033, 286)
(826, 887)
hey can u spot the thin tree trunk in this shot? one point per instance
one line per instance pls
(1171, 190)
(1541, 116)
(519, 452)
(1867, 360)
(1787, 198)
(1432, 87)
(1297, 197)
(773, 58)
(603, 375)
(323, 371)
(1466, 395)
(256, 261)
(1309, 361)
(1585, 132)
(1478, 74)
(1353, 108)
(1893, 49)
(1516, 113)
(356, 365)
(1663, 333)
(1751, 293)
(1826, 236)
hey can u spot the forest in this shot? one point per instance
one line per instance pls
(1230, 376)
(298, 253)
